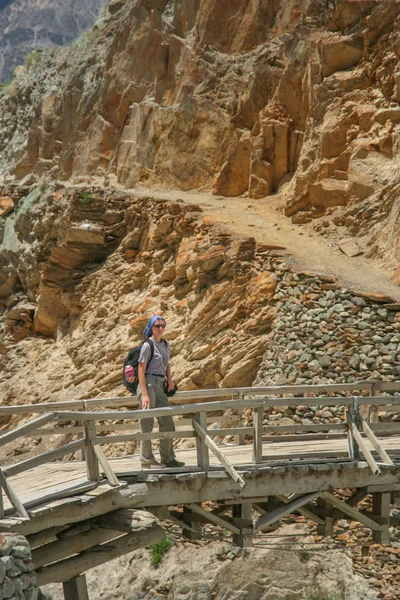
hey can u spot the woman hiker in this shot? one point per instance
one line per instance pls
(151, 393)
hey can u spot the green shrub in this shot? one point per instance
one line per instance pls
(86, 198)
(32, 59)
(158, 550)
(304, 556)
(6, 84)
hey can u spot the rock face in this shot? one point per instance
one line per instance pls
(28, 25)
(231, 96)
(82, 269)
(17, 572)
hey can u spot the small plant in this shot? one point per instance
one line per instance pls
(6, 84)
(42, 186)
(304, 556)
(32, 59)
(158, 550)
(86, 198)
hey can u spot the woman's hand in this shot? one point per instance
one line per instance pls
(145, 401)
(171, 384)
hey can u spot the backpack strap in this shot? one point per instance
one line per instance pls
(151, 344)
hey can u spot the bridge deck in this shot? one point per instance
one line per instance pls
(63, 479)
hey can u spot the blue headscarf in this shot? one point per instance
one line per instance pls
(148, 330)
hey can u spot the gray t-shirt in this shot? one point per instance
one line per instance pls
(159, 363)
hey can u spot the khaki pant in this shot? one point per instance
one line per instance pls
(158, 399)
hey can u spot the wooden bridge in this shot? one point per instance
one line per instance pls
(79, 508)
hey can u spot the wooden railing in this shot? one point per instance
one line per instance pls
(90, 425)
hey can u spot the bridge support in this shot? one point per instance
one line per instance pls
(325, 529)
(243, 519)
(76, 589)
(381, 510)
(192, 520)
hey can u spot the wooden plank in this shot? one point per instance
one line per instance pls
(31, 463)
(204, 395)
(307, 510)
(352, 512)
(305, 428)
(375, 443)
(309, 437)
(92, 464)
(113, 439)
(214, 518)
(60, 549)
(100, 500)
(25, 430)
(109, 473)
(65, 570)
(12, 496)
(203, 458)
(258, 416)
(76, 589)
(389, 487)
(363, 446)
(64, 492)
(286, 509)
(305, 455)
(58, 431)
(217, 452)
(126, 520)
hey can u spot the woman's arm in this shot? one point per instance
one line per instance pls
(143, 385)
(171, 384)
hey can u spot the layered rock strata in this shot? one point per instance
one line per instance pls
(235, 97)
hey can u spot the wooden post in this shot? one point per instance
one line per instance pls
(1, 503)
(76, 589)
(243, 518)
(203, 459)
(354, 450)
(373, 409)
(381, 508)
(327, 528)
(194, 533)
(92, 465)
(240, 437)
(258, 416)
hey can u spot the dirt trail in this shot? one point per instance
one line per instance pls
(265, 221)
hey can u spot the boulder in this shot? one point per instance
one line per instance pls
(6, 205)
(341, 54)
(328, 193)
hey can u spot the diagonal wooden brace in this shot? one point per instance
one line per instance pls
(217, 452)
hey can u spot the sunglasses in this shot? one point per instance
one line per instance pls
(160, 326)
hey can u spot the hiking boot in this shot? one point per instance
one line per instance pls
(152, 465)
(173, 463)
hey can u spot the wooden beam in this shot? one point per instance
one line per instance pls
(61, 549)
(361, 443)
(355, 514)
(75, 509)
(381, 509)
(217, 452)
(12, 496)
(258, 416)
(25, 429)
(375, 442)
(92, 464)
(203, 457)
(76, 589)
(69, 568)
(214, 518)
(109, 473)
(31, 463)
(306, 511)
(126, 520)
(286, 509)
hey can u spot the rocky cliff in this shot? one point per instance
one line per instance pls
(29, 25)
(226, 95)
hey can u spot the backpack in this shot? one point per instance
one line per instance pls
(132, 359)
